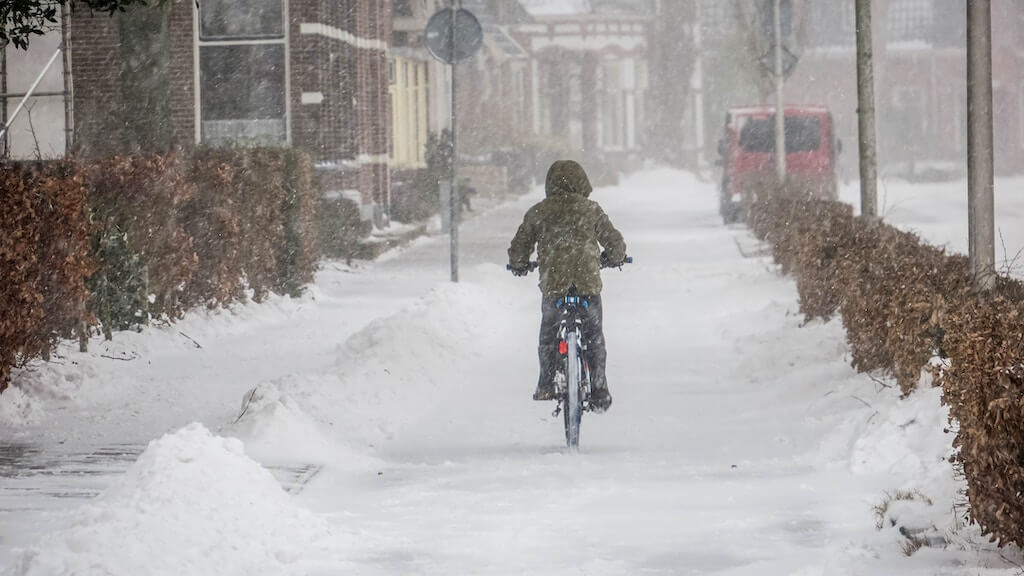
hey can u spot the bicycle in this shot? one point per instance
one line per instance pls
(572, 381)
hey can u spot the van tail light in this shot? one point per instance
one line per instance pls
(563, 347)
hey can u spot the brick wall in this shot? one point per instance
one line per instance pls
(347, 132)
(96, 69)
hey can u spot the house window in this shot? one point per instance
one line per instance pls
(906, 125)
(613, 105)
(910, 20)
(403, 8)
(242, 72)
(717, 17)
(240, 19)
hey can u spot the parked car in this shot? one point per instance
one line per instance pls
(747, 150)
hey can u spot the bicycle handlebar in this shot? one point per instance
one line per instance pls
(626, 260)
(532, 264)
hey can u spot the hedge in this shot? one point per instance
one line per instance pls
(904, 303)
(114, 242)
(44, 259)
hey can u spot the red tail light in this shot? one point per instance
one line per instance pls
(563, 347)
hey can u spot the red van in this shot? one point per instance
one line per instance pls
(747, 151)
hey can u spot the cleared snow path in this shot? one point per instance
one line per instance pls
(739, 441)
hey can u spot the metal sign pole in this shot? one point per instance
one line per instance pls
(453, 202)
(458, 47)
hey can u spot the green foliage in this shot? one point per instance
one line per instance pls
(299, 250)
(415, 194)
(22, 19)
(339, 227)
(439, 154)
(118, 289)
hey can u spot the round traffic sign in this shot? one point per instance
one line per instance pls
(469, 36)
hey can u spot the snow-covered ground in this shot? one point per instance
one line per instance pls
(386, 425)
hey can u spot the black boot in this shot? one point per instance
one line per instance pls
(547, 351)
(600, 400)
(545, 392)
(546, 389)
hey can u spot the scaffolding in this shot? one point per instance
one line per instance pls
(7, 117)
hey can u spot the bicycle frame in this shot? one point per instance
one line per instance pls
(572, 382)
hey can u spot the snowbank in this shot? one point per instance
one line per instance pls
(194, 504)
(277, 430)
(400, 367)
(17, 409)
(104, 372)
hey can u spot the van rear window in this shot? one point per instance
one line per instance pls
(803, 134)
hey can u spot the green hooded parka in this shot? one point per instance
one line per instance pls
(569, 230)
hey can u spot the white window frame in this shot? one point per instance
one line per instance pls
(613, 108)
(198, 44)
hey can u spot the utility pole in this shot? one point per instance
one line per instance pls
(980, 179)
(866, 112)
(780, 113)
(697, 85)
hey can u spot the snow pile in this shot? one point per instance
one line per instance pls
(907, 440)
(276, 430)
(399, 368)
(18, 409)
(192, 504)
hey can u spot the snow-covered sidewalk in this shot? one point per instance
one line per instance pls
(394, 407)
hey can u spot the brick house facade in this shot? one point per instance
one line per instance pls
(300, 73)
(920, 82)
(588, 76)
(920, 62)
(493, 103)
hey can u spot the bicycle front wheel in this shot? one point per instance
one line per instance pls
(574, 397)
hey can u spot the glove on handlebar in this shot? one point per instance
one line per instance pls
(606, 263)
(519, 271)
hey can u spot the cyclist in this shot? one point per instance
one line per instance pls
(569, 231)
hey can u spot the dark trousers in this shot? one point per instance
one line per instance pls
(547, 350)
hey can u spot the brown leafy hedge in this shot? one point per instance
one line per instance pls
(904, 303)
(44, 259)
(111, 243)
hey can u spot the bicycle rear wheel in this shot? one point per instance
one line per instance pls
(574, 396)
